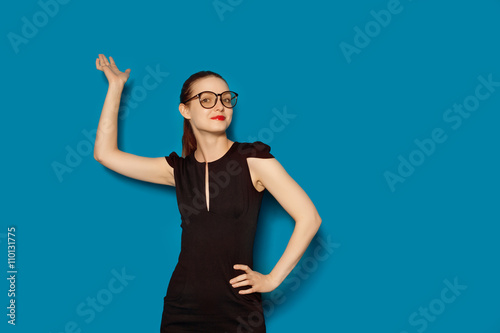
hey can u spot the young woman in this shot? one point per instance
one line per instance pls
(219, 187)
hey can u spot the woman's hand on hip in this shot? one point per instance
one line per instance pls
(259, 282)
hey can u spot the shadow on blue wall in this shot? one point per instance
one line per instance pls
(300, 281)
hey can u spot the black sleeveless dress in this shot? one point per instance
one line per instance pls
(199, 296)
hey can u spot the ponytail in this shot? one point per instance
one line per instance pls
(188, 139)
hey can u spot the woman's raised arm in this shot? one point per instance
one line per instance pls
(106, 152)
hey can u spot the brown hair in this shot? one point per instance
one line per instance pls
(188, 139)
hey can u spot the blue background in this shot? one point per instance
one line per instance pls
(353, 118)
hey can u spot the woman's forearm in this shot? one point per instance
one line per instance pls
(107, 130)
(302, 235)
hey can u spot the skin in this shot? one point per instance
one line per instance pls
(212, 143)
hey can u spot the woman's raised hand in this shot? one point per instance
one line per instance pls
(112, 72)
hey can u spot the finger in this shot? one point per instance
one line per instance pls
(101, 60)
(112, 63)
(104, 61)
(127, 71)
(97, 65)
(242, 283)
(100, 66)
(242, 267)
(246, 291)
(238, 278)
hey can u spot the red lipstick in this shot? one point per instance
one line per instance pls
(218, 118)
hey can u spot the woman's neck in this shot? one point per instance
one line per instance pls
(210, 147)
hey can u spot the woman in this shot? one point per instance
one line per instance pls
(219, 186)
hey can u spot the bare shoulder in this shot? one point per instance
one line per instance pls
(268, 173)
(262, 169)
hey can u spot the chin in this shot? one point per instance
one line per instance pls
(219, 124)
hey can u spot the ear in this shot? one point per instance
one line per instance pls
(184, 110)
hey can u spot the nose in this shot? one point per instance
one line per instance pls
(219, 106)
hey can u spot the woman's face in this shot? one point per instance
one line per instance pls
(214, 120)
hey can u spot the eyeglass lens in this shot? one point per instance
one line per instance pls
(209, 99)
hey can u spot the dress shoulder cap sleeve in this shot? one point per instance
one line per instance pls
(256, 149)
(172, 159)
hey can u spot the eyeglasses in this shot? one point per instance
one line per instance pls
(208, 99)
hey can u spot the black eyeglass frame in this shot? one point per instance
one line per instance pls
(217, 96)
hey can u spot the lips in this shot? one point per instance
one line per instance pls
(218, 118)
